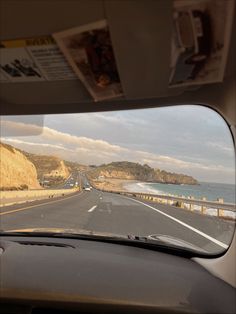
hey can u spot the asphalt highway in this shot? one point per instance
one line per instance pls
(73, 181)
(107, 212)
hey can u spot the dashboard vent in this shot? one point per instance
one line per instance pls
(38, 243)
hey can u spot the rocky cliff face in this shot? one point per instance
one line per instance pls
(75, 166)
(16, 171)
(134, 171)
(60, 171)
(49, 167)
(118, 174)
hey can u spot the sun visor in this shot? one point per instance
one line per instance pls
(142, 45)
(157, 48)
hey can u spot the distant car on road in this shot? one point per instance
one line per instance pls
(87, 188)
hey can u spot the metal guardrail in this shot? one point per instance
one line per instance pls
(181, 202)
(209, 204)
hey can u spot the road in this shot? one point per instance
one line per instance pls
(113, 213)
(73, 181)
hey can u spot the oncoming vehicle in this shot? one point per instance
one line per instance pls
(117, 195)
(87, 188)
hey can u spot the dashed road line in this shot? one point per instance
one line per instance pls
(92, 209)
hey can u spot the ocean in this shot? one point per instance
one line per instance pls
(212, 191)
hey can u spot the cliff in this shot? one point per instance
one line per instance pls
(16, 171)
(134, 171)
(49, 168)
(74, 166)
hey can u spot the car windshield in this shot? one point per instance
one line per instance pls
(163, 174)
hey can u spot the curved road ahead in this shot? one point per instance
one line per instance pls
(113, 213)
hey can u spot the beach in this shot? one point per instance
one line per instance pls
(209, 191)
(116, 185)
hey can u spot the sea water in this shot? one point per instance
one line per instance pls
(211, 191)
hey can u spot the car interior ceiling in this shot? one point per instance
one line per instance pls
(71, 96)
(112, 278)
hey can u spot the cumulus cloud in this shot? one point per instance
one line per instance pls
(21, 143)
(87, 150)
(13, 128)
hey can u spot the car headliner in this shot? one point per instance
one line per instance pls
(141, 38)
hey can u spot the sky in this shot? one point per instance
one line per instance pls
(192, 140)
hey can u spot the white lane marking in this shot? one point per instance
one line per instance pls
(225, 246)
(92, 208)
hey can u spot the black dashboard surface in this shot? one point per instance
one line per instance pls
(45, 275)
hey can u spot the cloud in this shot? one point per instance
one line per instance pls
(88, 150)
(179, 131)
(75, 141)
(29, 144)
(229, 150)
(96, 148)
(13, 128)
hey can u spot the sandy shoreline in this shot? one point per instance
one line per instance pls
(117, 185)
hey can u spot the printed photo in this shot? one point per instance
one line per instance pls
(200, 40)
(89, 51)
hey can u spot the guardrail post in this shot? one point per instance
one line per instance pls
(191, 206)
(203, 208)
(181, 203)
(220, 212)
(168, 200)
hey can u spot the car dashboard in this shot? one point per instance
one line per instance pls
(63, 275)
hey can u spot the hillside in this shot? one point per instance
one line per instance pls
(16, 171)
(50, 169)
(135, 171)
(74, 166)
(23, 170)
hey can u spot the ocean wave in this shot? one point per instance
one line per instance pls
(197, 191)
(143, 187)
